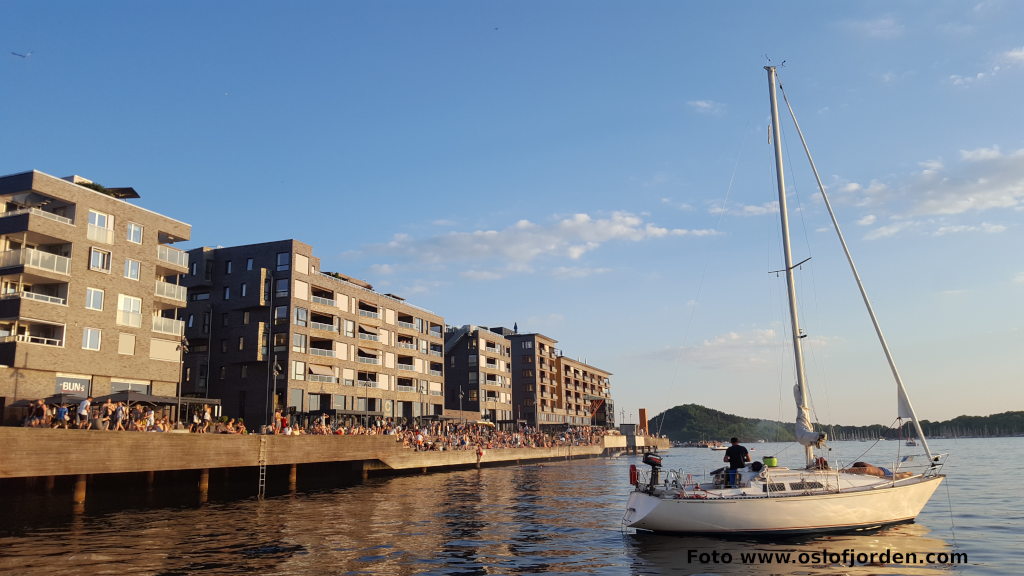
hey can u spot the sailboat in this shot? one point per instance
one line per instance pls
(766, 498)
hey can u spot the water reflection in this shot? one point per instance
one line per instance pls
(660, 554)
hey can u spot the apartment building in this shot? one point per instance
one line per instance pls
(552, 390)
(478, 374)
(269, 329)
(89, 293)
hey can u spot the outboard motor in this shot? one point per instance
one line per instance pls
(654, 461)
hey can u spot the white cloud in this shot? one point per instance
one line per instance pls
(867, 220)
(889, 230)
(516, 248)
(746, 209)
(382, 269)
(962, 228)
(569, 272)
(930, 167)
(1019, 278)
(980, 154)
(752, 348)
(706, 107)
(1014, 56)
(878, 28)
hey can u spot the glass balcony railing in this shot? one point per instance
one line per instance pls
(36, 259)
(168, 326)
(322, 352)
(99, 234)
(36, 212)
(172, 256)
(170, 291)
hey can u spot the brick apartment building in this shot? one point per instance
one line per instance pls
(89, 298)
(268, 328)
(550, 390)
(478, 374)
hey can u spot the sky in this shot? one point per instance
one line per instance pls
(598, 172)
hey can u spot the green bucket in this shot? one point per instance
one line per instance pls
(771, 461)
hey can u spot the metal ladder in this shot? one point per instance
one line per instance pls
(263, 467)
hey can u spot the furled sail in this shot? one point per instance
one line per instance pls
(805, 433)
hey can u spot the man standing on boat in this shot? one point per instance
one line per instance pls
(737, 457)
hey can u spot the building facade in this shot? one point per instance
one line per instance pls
(269, 329)
(89, 293)
(478, 374)
(552, 390)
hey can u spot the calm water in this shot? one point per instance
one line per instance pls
(555, 518)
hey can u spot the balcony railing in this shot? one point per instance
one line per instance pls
(369, 314)
(409, 367)
(437, 353)
(321, 378)
(366, 383)
(128, 318)
(406, 324)
(322, 300)
(168, 326)
(37, 212)
(407, 345)
(404, 388)
(33, 340)
(173, 256)
(322, 326)
(36, 259)
(171, 291)
(99, 234)
(321, 352)
(436, 373)
(367, 360)
(35, 296)
(365, 336)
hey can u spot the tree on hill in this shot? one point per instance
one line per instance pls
(694, 423)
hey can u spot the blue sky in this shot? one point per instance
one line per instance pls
(595, 171)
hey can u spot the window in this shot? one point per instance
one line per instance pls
(223, 372)
(241, 342)
(129, 311)
(301, 317)
(135, 233)
(91, 339)
(245, 318)
(223, 346)
(191, 320)
(227, 266)
(225, 318)
(132, 268)
(94, 299)
(248, 263)
(101, 227)
(281, 287)
(283, 260)
(99, 260)
(227, 292)
(243, 289)
(280, 314)
(193, 268)
(299, 342)
(527, 345)
(299, 370)
(245, 371)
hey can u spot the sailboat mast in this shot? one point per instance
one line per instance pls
(802, 401)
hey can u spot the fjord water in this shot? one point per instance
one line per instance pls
(551, 518)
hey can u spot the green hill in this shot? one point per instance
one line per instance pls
(692, 423)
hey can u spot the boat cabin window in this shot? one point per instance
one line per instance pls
(805, 485)
(774, 487)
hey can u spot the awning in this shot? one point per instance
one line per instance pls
(320, 370)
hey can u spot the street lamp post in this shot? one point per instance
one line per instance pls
(182, 350)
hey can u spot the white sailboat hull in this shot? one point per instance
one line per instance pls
(891, 503)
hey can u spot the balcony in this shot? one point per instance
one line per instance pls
(29, 338)
(37, 212)
(33, 258)
(172, 256)
(322, 352)
(99, 234)
(369, 314)
(322, 326)
(167, 325)
(368, 359)
(171, 291)
(409, 325)
(324, 301)
(321, 378)
(405, 388)
(368, 336)
(407, 345)
(35, 296)
(409, 367)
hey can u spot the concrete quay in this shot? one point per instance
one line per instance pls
(31, 453)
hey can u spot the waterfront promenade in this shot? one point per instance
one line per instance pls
(33, 453)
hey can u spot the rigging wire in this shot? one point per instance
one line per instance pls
(707, 262)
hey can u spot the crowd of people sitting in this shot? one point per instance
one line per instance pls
(432, 436)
